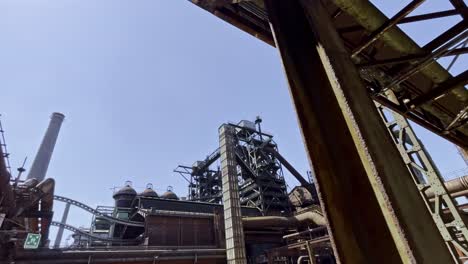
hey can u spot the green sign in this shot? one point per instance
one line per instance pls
(32, 241)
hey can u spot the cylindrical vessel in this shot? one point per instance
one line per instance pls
(124, 197)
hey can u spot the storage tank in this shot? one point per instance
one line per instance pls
(124, 197)
(149, 191)
(169, 194)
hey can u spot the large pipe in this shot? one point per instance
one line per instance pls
(58, 238)
(290, 168)
(41, 162)
(454, 187)
(311, 217)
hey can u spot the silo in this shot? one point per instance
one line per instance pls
(169, 194)
(41, 161)
(125, 196)
(149, 191)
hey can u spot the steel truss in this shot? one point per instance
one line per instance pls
(259, 171)
(379, 46)
(426, 175)
(388, 59)
(411, 103)
(204, 183)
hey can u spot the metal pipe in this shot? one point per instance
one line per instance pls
(150, 259)
(41, 162)
(457, 194)
(290, 168)
(312, 217)
(455, 186)
(301, 258)
(308, 231)
(58, 238)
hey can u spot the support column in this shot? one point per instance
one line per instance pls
(235, 243)
(58, 238)
(372, 205)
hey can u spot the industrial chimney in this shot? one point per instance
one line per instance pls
(41, 161)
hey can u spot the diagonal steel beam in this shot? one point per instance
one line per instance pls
(461, 6)
(428, 16)
(441, 90)
(373, 208)
(374, 36)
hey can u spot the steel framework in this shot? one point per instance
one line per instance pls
(315, 40)
(259, 171)
(426, 175)
(428, 94)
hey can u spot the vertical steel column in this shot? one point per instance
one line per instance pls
(426, 175)
(235, 243)
(58, 238)
(374, 210)
(310, 252)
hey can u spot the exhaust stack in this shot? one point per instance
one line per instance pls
(41, 161)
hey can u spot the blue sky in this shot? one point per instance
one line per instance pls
(144, 86)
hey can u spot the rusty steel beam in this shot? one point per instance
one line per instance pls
(460, 120)
(441, 51)
(446, 36)
(408, 19)
(371, 18)
(428, 16)
(340, 124)
(410, 58)
(459, 139)
(374, 36)
(460, 6)
(442, 89)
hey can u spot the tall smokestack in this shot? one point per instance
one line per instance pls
(41, 161)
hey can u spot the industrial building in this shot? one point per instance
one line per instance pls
(147, 226)
(356, 80)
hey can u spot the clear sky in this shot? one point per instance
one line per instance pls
(144, 86)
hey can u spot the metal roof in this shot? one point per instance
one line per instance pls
(387, 57)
